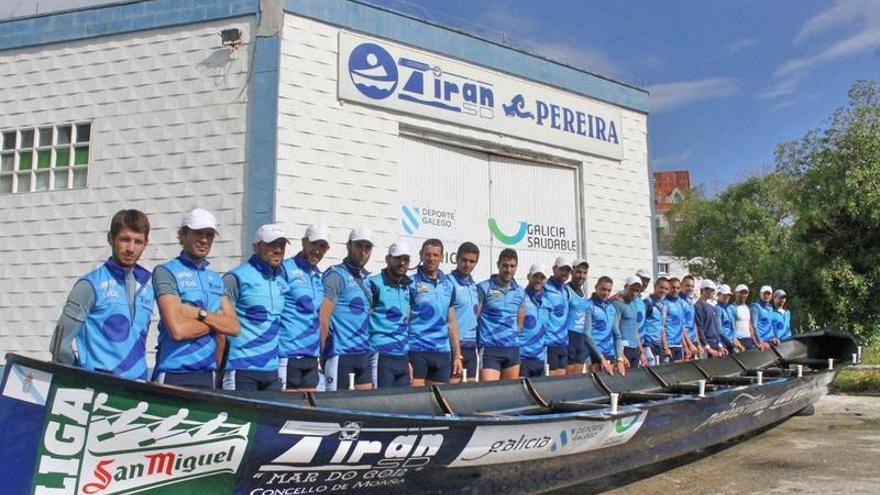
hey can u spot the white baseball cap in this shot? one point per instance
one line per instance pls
(578, 262)
(780, 293)
(742, 287)
(317, 232)
(633, 279)
(765, 288)
(538, 268)
(361, 234)
(643, 273)
(399, 248)
(724, 289)
(199, 219)
(707, 284)
(561, 262)
(269, 233)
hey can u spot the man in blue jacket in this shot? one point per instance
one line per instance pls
(108, 310)
(630, 320)
(299, 348)
(391, 305)
(762, 314)
(193, 308)
(502, 311)
(467, 306)
(706, 322)
(256, 290)
(603, 334)
(532, 355)
(344, 317)
(434, 351)
(557, 296)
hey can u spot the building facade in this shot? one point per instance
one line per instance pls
(303, 111)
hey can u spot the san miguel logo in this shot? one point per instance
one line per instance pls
(94, 445)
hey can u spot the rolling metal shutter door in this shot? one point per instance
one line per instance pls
(540, 200)
(457, 194)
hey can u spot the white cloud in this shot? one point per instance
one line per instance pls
(739, 45)
(859, 23)
(527, 34)
(860, 42)
(844, 12)
(674, 159)
(675, 94)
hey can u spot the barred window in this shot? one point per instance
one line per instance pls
(47, 158)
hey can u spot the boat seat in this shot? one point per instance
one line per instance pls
(679, 373)
(756, 360)
(719, 367)
(576, 388)
(636, 380)
(495, 398)
(403, 401)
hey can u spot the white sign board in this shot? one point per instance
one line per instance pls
(388, 75)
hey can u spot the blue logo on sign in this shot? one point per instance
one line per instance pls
(372, 71)
(410, 219)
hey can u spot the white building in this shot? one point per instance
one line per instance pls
(313, 110)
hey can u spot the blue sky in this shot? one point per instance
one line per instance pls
(728, 79)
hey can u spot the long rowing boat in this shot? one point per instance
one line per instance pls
(69, 431)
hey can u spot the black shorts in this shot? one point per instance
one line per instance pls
(339, 368)
(432, 366)
(471, 361)
(390, 371)
(192, 379)
(251, 381)
(677, 353)
(577, 348)
(748, 343)
(500, 358)
(300, 372)
(633, 355)
(557, 357)
(530, 368)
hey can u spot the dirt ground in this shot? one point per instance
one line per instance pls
(835, 451)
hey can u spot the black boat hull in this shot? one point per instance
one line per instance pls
(76, 432)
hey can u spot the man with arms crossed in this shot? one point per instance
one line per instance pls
(762, 316)
(108, 310)
(299, 345)
(502, 311)
(193, 308)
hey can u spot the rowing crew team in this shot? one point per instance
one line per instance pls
(273, 323)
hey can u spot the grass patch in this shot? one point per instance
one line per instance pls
(851, 381)
(858, 382)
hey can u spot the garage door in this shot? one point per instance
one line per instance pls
(456, 195)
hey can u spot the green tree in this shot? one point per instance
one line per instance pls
(812, 226)
(835, 174)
